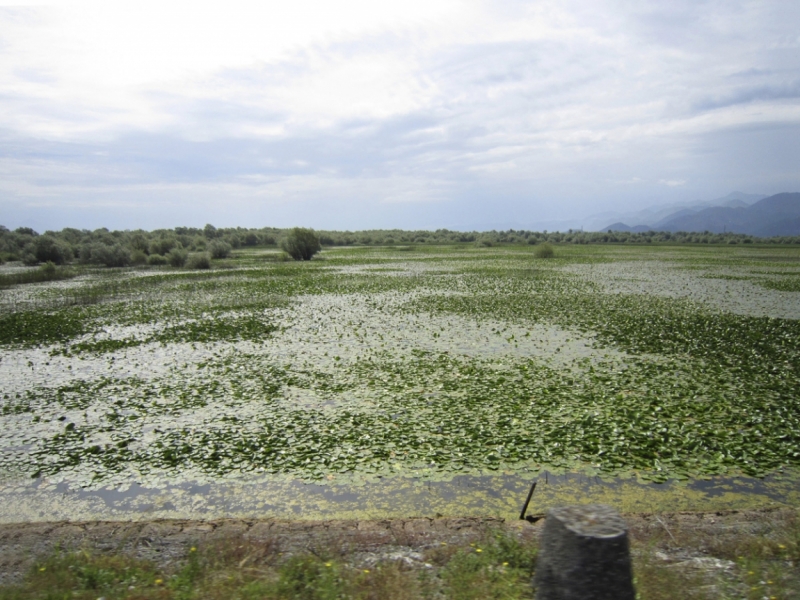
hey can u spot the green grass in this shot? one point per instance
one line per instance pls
(498, 565)
(45, 273)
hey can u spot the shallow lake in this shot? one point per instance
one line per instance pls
(387, 382)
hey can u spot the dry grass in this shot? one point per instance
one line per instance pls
(754, 558)
(673, 558)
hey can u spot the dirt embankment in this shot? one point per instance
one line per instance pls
(168, 541)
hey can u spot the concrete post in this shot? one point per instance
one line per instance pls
(584, 555)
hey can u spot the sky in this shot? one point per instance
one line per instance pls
(420, 114)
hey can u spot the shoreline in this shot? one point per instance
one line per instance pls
(167, 541)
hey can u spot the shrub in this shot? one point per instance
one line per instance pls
(163, 245)
(219, 249)
(177, 256)
(544, 251)
(234, 240)
(301, 243)
(138, 257)
(49, 268)
(49, 249)
(115, 256)
(101, 254)
(199, 260)
(156, 260)
(138, 241)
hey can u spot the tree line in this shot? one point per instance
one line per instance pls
(182, 245)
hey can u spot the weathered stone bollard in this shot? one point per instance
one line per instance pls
(584, 555)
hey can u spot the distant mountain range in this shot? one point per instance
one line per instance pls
(735, 213)
(652, 216)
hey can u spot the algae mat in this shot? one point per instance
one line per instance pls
(497, 496)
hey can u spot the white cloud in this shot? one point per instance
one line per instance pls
(573, 101)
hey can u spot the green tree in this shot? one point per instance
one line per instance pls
(50, 249)
(301, 243)
(210, 231)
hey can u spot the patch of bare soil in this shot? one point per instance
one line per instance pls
(167, 541)
(680, 538)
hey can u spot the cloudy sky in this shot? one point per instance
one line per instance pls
(412, 114)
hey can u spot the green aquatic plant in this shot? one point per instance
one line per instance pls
(378, 363)
(28, 328)
(46, 272)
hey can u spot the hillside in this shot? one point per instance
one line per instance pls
(777, 215)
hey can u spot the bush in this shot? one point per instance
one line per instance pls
(100, 254)
(234, 240)
(48, 268)
(138, 257)
(49, 249)
(156, 260)
(544, 251)
(301, 243)
(177, 256)
(219, 249)
(199, 260)
(163, 245)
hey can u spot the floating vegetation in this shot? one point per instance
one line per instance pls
(377, 363)
(31, 328)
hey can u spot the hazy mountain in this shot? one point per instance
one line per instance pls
(623, 227)
(776, 215)
(736, 200)
(652, 217)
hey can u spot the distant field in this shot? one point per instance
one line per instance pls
(380, 366)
